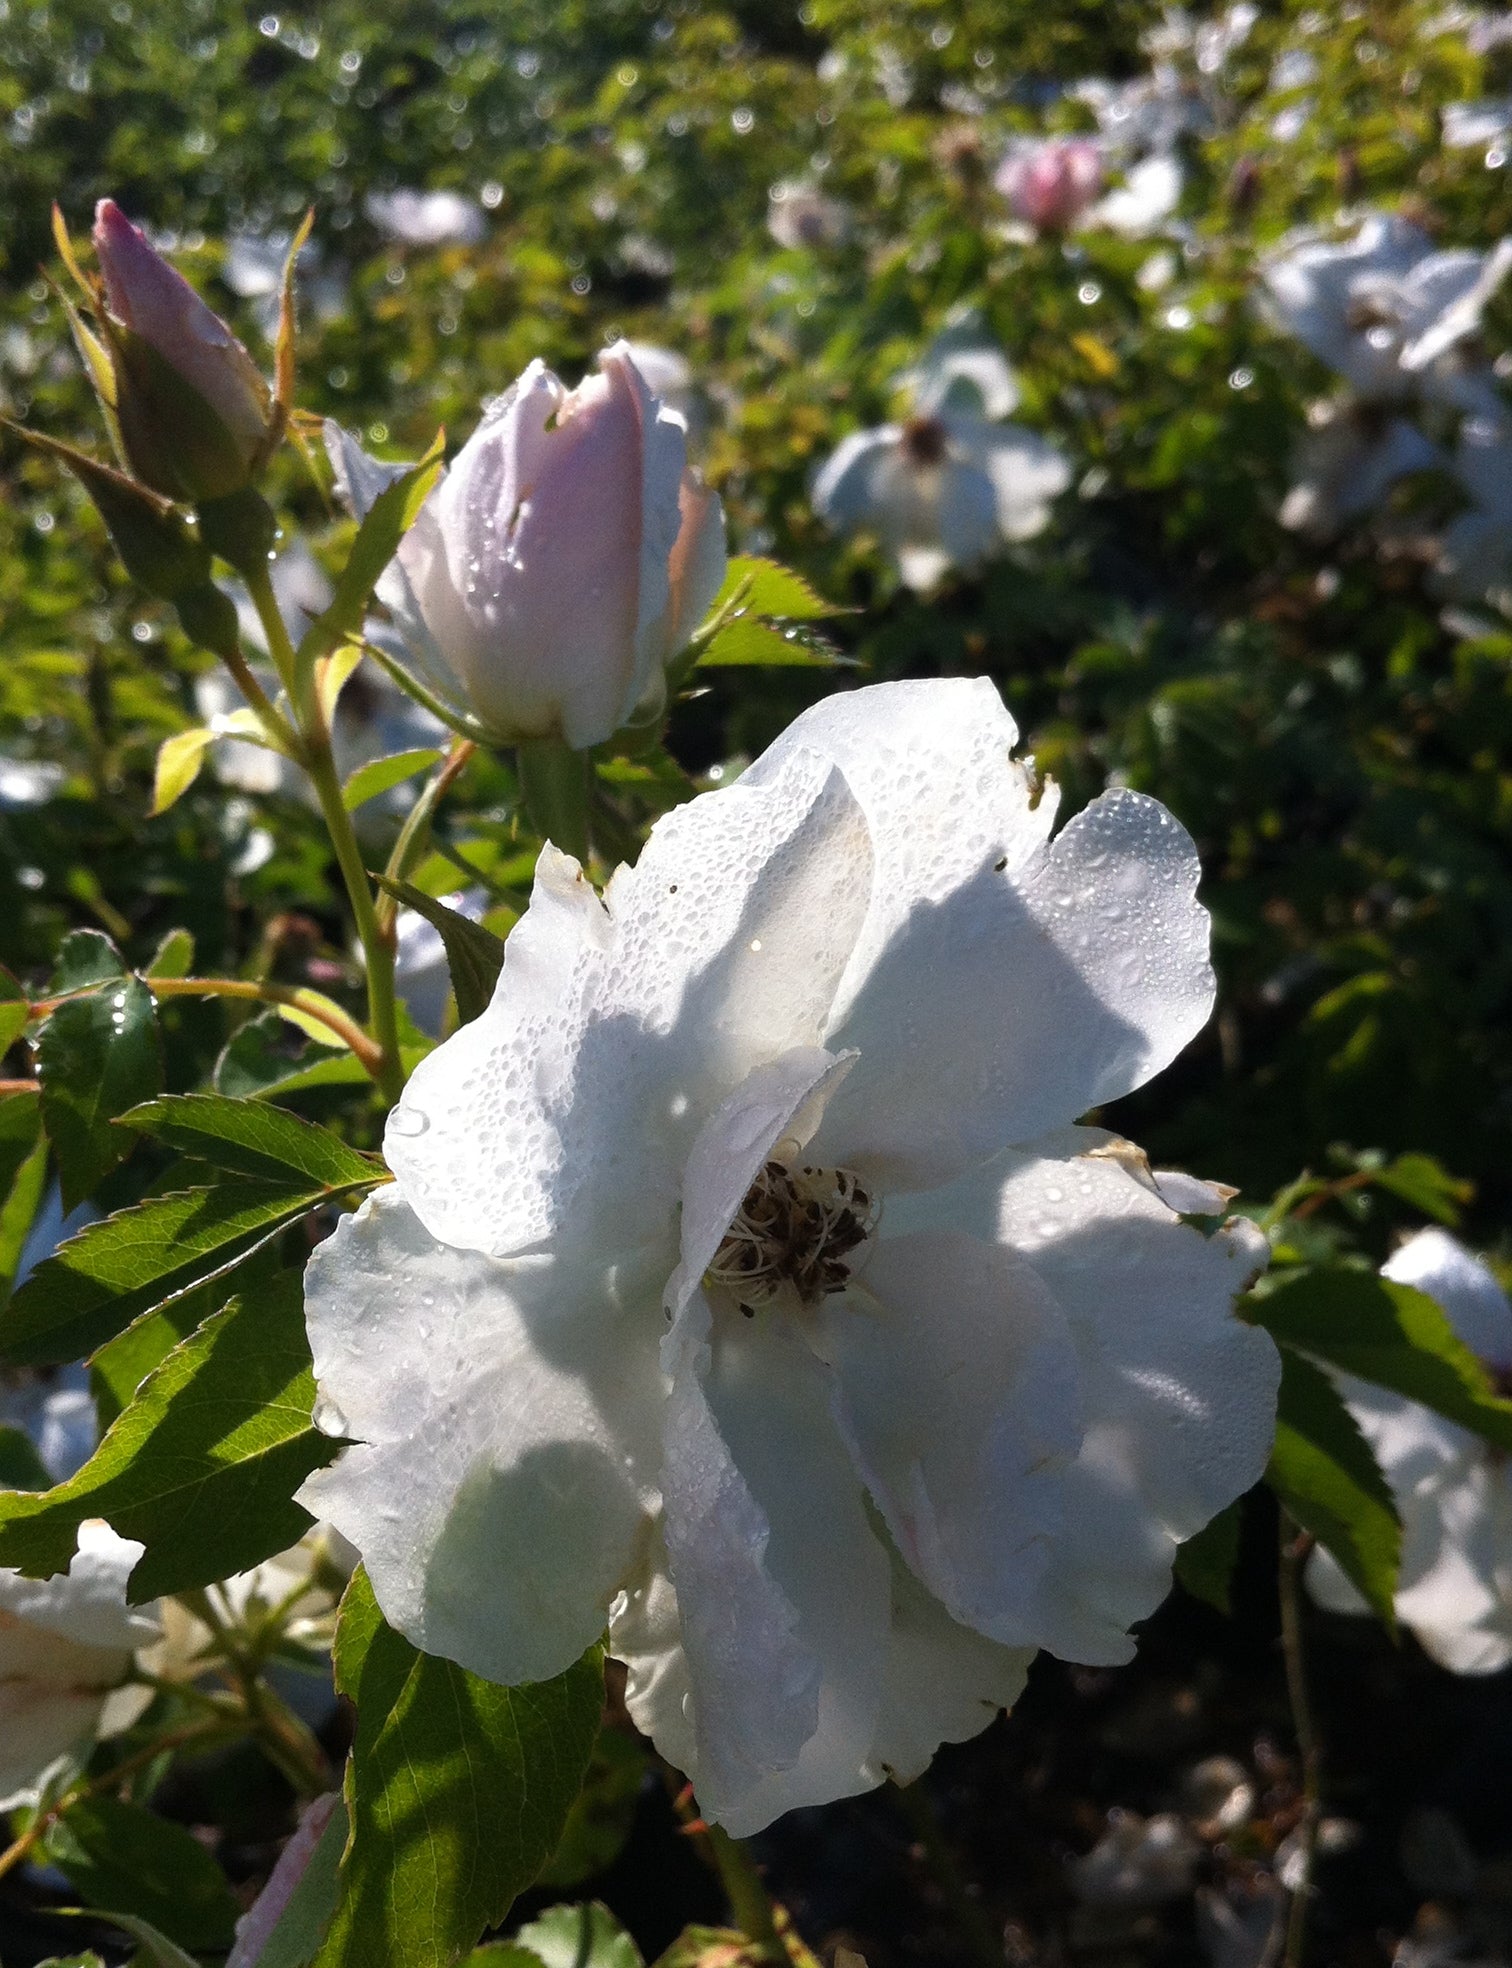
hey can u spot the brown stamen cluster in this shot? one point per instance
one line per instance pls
(798, 1227)
(924, 441)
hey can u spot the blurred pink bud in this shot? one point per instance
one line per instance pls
(1050, 185)
(566, 555)
(169, 446)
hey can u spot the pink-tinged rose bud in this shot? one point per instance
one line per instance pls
(163, 336)
(1050, 185)
(566, 555)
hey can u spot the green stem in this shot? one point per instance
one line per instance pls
(1294, 1547)
(979, 1943)
(750, 1902)
(554, 785)
(415, 834)
(377, 947)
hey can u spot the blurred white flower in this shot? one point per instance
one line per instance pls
(65, 1646)
(421, 976)
(946, 487)
(1149, 194)
(1350, 457)
(800, 214)
(300, 1587)
(1243, 1926)
(254, 268)
(1146, 117)
(53, 1408)
(1453, 1491)
(565, 556)
(1473, 125)
(1137, 1863)
(28, 782)
(1386, 310)
(426, 218)
(744, 1280)
(1475, 554)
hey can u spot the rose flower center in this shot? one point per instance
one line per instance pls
(798, 1227)
(924, 441)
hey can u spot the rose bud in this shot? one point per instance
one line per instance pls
(1050, 185)
(195, 415)
(565, 556)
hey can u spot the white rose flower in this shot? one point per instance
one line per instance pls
(1453, 1491)
(1351, 456)
(1386, 310)
(426, 218)
(65, 1646)
(743, 1281)
(1475, 554)
(1149, 194)
(801, 215)
(946, 487)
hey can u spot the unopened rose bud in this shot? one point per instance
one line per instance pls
(195, 415)
(1050, 185)
(566, 555)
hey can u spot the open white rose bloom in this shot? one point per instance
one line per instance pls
(745, 1283)
(65, 1646)
(947, 486)
(1453, 1490)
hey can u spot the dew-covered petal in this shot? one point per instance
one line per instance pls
(767, 1398)
(942, 1683)
(616, 1028)
(956, 1388)
(1022, 995)
(1179, 1395)
(472, 1139)
(505, 1417)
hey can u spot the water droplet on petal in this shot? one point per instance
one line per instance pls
(408, 1121)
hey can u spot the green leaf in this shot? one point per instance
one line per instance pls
(379, 775)
(600, 1821)
(201, 1468)
(174, 956)
(179, 759)
(439, 1756)
(749, 641)
(111, 1272)
(118, 1368)
(585, 1936)
(474, 955)
(1427, 1186)
(160, 1951)
(72, 1961)
(1326, 1477)
(1205, 1563)
(765, 587)
(85, 957)
(249, 1138)
(502, 1954)
(20, 1131)
(306, 1915)
(118, 1855)
(20, 1466)
(98, 1056)
(17, 1215)
(1388, 1333)
(15, 1011)
(388, 520)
